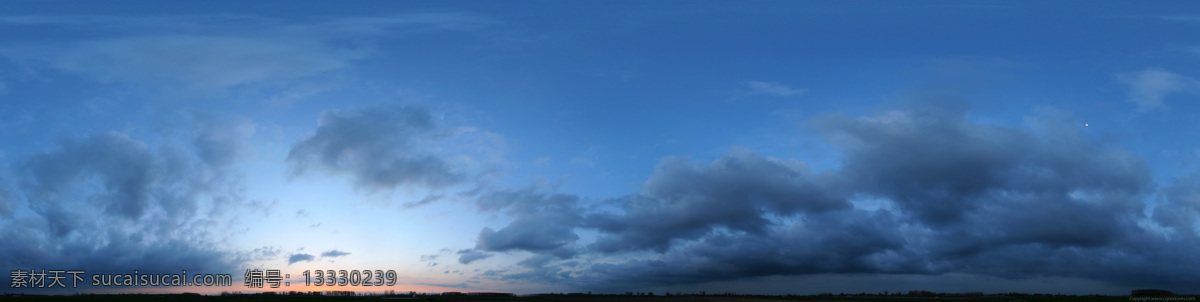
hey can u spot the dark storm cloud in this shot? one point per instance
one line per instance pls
(538, 234)
(921, 191)
(382, 148)
(109, 250)
(852, 241)
(938, 165)
(544, 223)
(685, 200)
(983, 182)
(536, 261)
(333, 253)
(109, 202)
(1181, 208)
(299, 257)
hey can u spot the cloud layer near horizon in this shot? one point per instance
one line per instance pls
(920, 191)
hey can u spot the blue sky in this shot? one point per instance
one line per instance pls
(751, 146)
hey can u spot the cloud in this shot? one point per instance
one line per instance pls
(266, 253)
(341, 26)
(852, 241)
(536, 261)
(534, 233)
(299, 257)
(773, 89)
(333, 253)
(222, 140)
(1149, 87)
(544, 223)
(939, 166)
(205, 62)
(415, 22)
(470, 255)
(123, 166)
(922, 191)
(109, 202)
(7, 207)
(381, 148)
(1181, 208)
(205, 53)
(685, 200)
(1180, 18)
(424, 201)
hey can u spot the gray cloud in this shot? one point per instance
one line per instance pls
(940, 165)
(536, 261)
(685, 200)
(108, 202)
(333, 253)
(124, 167)
(7, 207)
(424, 201)
(382, 148)
(920, 191)
(470, 255)
(299, 257)
(539, 234)
(852, 241)
(544, 223)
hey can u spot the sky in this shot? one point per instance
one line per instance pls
(768, 147)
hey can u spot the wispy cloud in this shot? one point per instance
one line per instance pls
(1180, 18)
(199, 62)
(358, 26)
(416, 22)
(333, 253)
(215, 54)
(773, 89)
(1149, 87)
